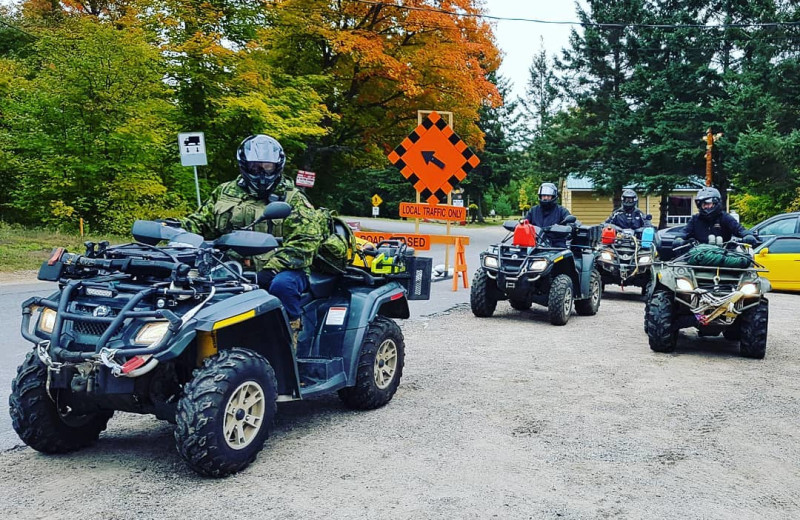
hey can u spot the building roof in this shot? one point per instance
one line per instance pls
(578, 183)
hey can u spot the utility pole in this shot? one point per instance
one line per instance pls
(709, 139)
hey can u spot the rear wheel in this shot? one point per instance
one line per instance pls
(44, 424)
(658, 323)
(225, 412)
(753, 341)
(483, 294)
(591, 305)
(559, 301)
(380, 366)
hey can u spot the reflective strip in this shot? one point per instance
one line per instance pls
(234, 319)
(559, 258)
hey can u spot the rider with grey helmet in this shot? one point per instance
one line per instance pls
(548, 212)
(712, 220)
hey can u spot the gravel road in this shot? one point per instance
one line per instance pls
(506, 417)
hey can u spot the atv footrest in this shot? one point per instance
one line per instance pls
(313, 370)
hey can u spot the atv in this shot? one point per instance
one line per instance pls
(536, 267)
(713, 288)
(181, 331)
(627, 256)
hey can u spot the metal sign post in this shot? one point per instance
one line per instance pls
(192, 146)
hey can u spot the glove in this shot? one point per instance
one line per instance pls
(265, 277)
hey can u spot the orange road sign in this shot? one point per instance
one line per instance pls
(440, 212)
(418, 242)
(434, 159)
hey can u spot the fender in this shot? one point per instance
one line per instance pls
(241, 321)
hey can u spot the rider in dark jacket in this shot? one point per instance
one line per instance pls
(548, 212)
(629, 216)
(711, 220)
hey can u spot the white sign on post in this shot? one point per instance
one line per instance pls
(305, 179)
(458, 202)
(376, 210)
(193, 149)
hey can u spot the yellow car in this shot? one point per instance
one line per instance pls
(781, 255)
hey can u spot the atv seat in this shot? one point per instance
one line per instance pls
(322, 285)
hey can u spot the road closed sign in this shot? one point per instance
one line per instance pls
(192, 146)
(418, 242)
(440, 212)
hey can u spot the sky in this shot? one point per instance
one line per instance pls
(520, 41)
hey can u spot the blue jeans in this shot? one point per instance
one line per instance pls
(287, 286)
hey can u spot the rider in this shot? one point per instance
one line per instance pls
(237, 203)
(629, 216)
(711, 220)
(548, 212)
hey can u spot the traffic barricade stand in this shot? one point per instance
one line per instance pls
(460, 267)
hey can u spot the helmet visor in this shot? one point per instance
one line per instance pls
(548, 190)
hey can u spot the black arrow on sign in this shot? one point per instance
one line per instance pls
(430, 158)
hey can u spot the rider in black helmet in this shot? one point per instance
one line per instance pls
(548, 212)
(629, 216)
(711, 219)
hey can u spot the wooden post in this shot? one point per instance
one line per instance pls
(709, 147)
(81, 226)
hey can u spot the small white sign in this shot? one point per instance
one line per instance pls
(305, 179)
(193, 149)
(458, 202)
(336, 316)
(376, 210)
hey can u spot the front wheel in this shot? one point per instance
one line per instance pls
(380, 366)
(591, 305)
(225, 412)
(753, 340)
(559, 301)
(483, 294)
(658, 323)
(41, 422)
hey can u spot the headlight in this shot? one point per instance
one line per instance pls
(607, 256)
(490, 261)
(151, 332)
(683, 284)
(47, 320)
(644, 260)
(749, 289)
(537, 265)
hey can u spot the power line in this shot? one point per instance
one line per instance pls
(582, 24)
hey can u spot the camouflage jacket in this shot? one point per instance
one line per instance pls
(230, 207)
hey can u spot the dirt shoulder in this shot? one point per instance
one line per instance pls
(14, 277)
(506, 417)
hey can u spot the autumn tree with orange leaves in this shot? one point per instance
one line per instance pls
(384, 62)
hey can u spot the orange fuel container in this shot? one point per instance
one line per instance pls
(525, 234)
(609, 235)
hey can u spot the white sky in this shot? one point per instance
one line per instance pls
(520, 41)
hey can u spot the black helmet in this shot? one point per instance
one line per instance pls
(548, 188)
(712, 195)
(629, 200)
(261, 160)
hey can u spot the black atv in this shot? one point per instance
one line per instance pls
(627, 256)
(182, 332)
(715, 289)
(544, 272)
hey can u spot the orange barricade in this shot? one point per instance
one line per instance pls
(460, 267)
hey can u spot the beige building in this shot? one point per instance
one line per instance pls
(590, 207)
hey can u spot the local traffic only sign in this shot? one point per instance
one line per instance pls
(440, 212)
(418, 242)
(433, 158)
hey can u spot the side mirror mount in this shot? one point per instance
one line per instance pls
(764, 252)
(273, 211)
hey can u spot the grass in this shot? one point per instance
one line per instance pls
(23, 249)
